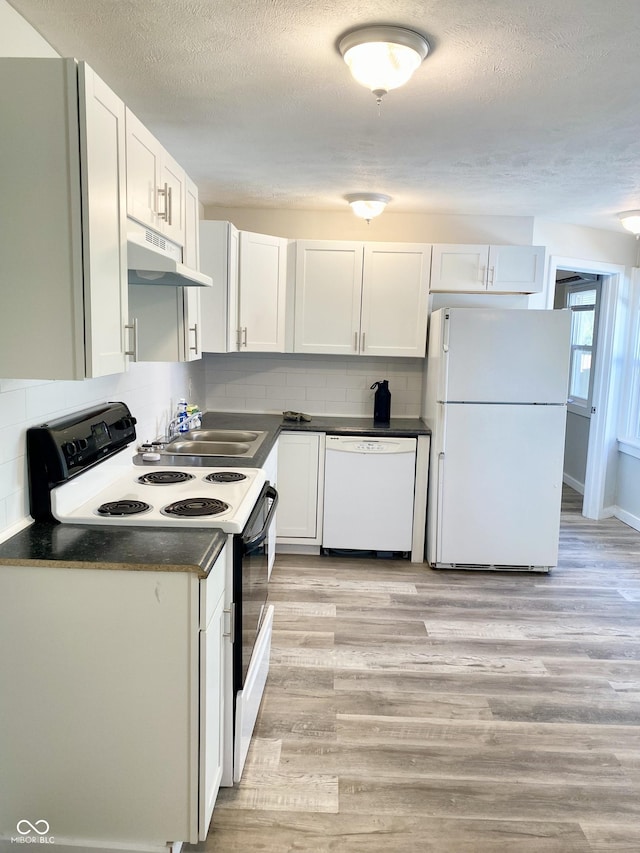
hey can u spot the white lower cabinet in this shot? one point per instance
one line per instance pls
(459, 268)
(119, 682)
(212, 675)
(300, 487)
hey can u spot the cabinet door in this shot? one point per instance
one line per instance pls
(328, 294)
(299, 482)
(102, 151)
(144, 153)
(192, 325)
(191, 256)
(159, 312)
(262, 292)
(516, 269)
(63, 250)
(219, 247)
(395, 288)
(172, 199)
(211, 716)
(459, 268)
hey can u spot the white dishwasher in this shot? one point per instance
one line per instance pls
(368, 493)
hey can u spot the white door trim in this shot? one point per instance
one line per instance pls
(602, 448)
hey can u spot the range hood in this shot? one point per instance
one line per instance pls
(154, 260)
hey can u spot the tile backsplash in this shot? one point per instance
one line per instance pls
(150, 390)
(331, 385)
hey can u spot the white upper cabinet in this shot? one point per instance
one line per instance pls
(63, 212)
(156, 184)
(245, 309)
(458, 268)
(166, 322)
(367, 299)
(395, 290)
(191, 254)
(262, 292)
(219, 256)
(328, 297)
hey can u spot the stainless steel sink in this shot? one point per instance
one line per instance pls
(221, 435)
(216, 442)
(209, 448)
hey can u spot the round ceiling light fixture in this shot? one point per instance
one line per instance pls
(383, 57)
(630, 220)
(368, 205)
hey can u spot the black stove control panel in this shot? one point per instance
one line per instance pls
(62, 448)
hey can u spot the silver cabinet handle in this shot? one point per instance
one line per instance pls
(355, 341)
(231, 612)
(133, 352)
(194, 329)
(169, 205)
(164, 214)
(363, 343)
(244, 336)
(492, 271)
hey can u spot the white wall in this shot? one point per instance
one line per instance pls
(592, 244)
(314, 384)
(575, 450)
(18, 38)
(394, 227)
(628, 492)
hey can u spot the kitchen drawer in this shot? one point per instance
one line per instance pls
(212, 588)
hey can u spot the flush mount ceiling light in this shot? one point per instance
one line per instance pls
(631, 221)
(383, 57)
(368, 205)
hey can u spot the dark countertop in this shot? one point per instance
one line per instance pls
(86, 546)
(275, 424)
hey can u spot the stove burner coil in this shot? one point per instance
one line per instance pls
(161, 478)
(123, 507)
(226, 477)
(195, 507)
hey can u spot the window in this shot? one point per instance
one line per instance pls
(631, 411)
(583, 300)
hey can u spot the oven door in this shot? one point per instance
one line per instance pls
(250, 581)
(253, 623)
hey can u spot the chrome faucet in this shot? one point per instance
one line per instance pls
(191, 421)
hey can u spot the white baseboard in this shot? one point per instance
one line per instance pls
(627, 518)
(568, 480)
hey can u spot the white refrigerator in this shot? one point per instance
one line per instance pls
(495, 399)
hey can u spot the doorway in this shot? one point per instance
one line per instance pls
(604, 379)
(580, 294)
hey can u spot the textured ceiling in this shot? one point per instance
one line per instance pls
(521, 108)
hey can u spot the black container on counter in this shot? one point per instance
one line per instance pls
(381, 402)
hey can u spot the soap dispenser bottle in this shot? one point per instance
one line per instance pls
(381, 402)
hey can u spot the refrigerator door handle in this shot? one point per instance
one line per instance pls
(439, 520)
(445, 336)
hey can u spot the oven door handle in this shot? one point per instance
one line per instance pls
(267, 493)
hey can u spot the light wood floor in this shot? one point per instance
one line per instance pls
(410, 710)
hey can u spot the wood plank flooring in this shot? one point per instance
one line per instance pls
(448, 711)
